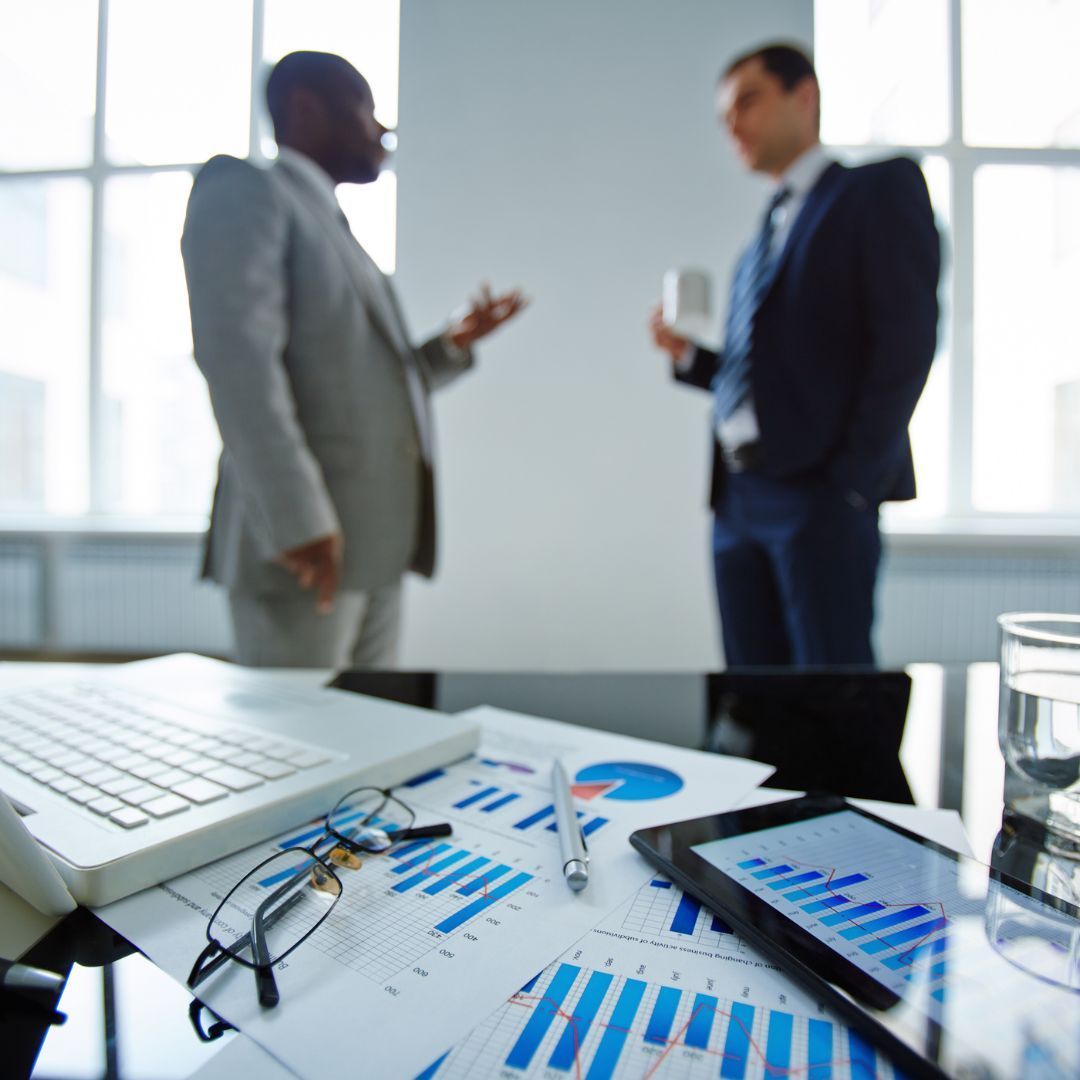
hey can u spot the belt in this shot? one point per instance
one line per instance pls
(743, 458)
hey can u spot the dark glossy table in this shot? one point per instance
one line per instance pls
(927, 735)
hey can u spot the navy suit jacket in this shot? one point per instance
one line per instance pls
(845, 335)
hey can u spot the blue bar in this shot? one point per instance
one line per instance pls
(902, 937)
(424, 778)
(408, 849)
(303, 838)
(748, 864)
(531, 983)
(810, 875)
(938, 970)
(825, 905)
(577, 1027)
(778, 1045)
(466, 913)
(825, 887)
(874, 925)
(663, 1015)
(686, 915)
(701, 1022)
(611, 1045)
(433, 1068)
(591, 826)
(500, 802)
(485, 879)
(532, 819)
(862, 1057)
(906, 959)
(939, 994)
(455, 875)
(521, 1055)
(554, 826)
(476, 796)
(771, 872)
(853, 913)
(284, 875)
(737, 1044)
(438, 849)
(820, 1054)
(428, 872)
(660, 884)
(720, 926)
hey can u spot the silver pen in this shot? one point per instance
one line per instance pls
(575, 853)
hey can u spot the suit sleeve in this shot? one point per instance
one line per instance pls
(441, 361)
(698, 368)
(899, 264)
(234, 246)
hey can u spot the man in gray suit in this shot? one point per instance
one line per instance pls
(325, 483)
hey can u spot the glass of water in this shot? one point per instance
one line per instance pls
(1039, 719)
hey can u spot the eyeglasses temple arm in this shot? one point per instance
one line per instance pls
(424, 832)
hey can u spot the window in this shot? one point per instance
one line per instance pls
(983, 93)
(102, 409)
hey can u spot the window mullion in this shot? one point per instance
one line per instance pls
(258, 26)
(961, 395)
(95, 382)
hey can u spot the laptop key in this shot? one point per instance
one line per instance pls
(129, 817)
(171, 778)
(233, 778)
(121, 784)
(308, 759)
(149, 770)
(199, 790)
(83, 794)
(104, 805)
(138, 796)
(65, 783)
(166, 806)
(272, 770)
(179, 757)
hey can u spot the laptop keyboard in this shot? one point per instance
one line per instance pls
(116, 753)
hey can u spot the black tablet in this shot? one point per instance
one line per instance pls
(949, 966)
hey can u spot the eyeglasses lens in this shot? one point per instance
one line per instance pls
(279, 904)
(368, 819)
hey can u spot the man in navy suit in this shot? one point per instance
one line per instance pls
(830, 334)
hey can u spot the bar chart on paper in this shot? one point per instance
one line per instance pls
(396, 907)
(615, 1008)
(668, 914)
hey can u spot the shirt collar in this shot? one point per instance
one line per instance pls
(311, 174)
(805, 171)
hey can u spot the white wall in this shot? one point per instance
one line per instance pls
(570, 147)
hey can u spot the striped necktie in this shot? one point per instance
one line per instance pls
(731, 384)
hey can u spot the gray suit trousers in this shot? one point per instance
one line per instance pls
(286, 631)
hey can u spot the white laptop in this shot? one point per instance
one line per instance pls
(147, 770)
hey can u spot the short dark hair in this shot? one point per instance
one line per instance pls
(318, 71)
(788, 63)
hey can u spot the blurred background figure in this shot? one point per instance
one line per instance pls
(325, 493)
(830, 333)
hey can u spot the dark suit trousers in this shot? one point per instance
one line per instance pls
(796, 567)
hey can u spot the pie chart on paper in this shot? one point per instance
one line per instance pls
(625, 781)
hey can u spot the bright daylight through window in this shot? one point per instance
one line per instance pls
(102, 409)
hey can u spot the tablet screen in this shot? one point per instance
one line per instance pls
(985, 976)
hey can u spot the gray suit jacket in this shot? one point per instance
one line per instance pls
(320, 398)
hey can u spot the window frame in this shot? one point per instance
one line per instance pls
(960, 516)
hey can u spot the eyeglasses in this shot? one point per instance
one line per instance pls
(279, 904)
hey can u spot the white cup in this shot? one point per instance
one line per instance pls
(687, 307)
